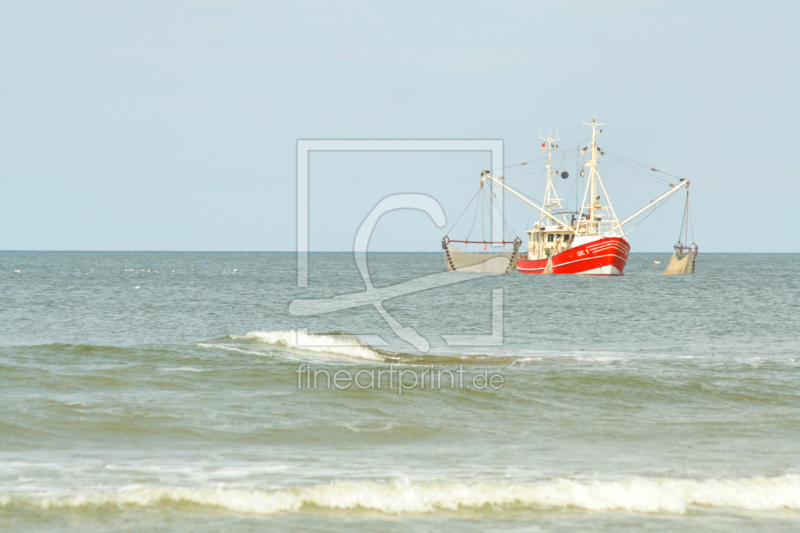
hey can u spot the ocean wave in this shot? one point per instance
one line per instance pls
(343, 344)
(641, 495)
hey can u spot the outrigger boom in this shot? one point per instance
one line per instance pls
(684, 183)
(485, 175)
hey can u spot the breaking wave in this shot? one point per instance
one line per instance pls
(345, 345)
(642, 495)
(335, 344)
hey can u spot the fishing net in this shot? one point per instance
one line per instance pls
(684, 258)
(683, 261)
(477, 260)
(481, 255)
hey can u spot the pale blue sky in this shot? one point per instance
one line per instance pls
(173, 125)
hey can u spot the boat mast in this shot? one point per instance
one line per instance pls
(551, 198)
(593, 224)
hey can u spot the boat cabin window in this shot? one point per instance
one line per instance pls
(550, 238)
(566, 237)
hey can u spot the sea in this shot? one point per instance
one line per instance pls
(219, 392)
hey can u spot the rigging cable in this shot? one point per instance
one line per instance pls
(504, 220)
(686, 222)
(645, 166)
(483, 233)
(465, 209)
(653, 210)
(643, 174)
(635, 175)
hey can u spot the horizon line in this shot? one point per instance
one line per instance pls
(310, 251)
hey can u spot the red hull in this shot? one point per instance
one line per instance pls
(604, 256)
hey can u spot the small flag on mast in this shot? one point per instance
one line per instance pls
(543, 146)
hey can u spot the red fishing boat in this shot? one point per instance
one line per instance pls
(591, 242)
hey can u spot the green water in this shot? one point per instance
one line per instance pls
(665, 403)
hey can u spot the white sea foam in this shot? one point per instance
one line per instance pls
(642, 495)
(228, 348)
(343, 345)
(355, 428)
